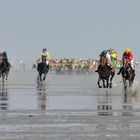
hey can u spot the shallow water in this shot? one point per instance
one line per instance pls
(68, 107)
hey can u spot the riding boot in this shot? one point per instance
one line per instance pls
(120, 71)
(96, 70)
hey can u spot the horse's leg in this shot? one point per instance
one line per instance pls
(110, 84)
(6, 75)
(131, 79)
(40, 77)
(130, 82)
(99, 83)
(46, 71)
(44, 76)
(103, 83)
(107, 83)
(125, 83)
(3, 76)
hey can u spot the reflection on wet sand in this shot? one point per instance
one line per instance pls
(72, 105)
(128, 109)
(42, 97)
(105, 105)
(3, 97)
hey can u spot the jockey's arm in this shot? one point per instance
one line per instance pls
(48, 56)
(39, 58)
(131, 57)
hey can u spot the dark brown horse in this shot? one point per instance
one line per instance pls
(128, 74)
(106, 74)
(4, 70)
(42, 68)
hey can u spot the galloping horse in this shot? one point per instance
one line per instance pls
(4, 70)
(128, 74)
(42, 68)
(106, 73)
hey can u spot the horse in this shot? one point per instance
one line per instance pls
(4, 70)
(106, 73)
(42, 68)
(128, 74)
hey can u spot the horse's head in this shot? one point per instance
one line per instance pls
(43, 58)
(127, 69)
(127, 64)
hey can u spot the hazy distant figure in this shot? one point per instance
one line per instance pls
(7, 65)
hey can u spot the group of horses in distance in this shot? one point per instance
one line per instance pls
(106, 74)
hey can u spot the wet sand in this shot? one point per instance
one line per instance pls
(67, 107)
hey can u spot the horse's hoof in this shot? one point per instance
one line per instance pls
(100, 86)
(110, 86)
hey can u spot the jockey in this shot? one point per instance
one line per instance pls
(5, 57)
(127, 55)
(107, 57)
(113, 54)
(44, 53)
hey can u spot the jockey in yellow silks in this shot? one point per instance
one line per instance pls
(44, 53)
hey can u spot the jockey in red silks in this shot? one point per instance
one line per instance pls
(127, 55)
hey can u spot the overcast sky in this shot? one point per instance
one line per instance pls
(73, 28)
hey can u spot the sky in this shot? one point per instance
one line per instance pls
(69, 28)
